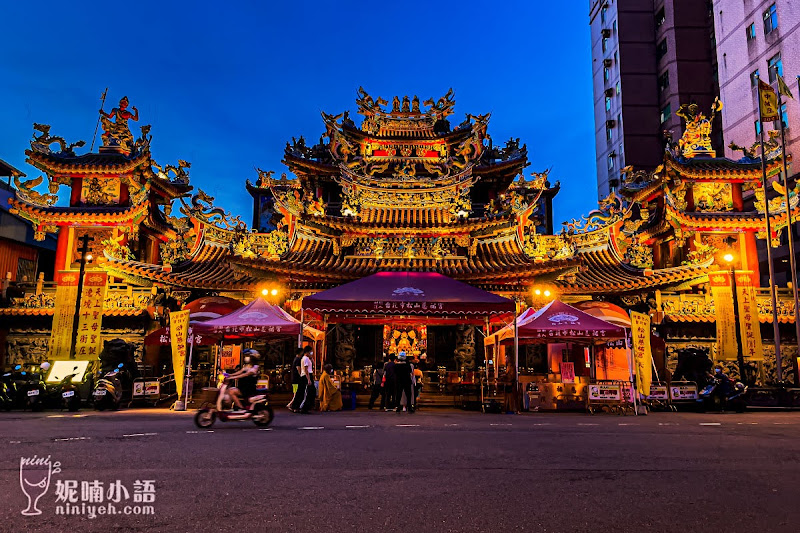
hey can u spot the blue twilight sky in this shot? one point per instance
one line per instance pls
(226, 84)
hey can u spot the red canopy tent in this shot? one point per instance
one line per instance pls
(407, 297)
(558, 322)
(257, 320)
(205, 308)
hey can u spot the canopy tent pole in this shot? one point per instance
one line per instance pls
(300, 337)
(487, 354)
(516, 357)
(629, 353)
(188, 371)
(324, 339)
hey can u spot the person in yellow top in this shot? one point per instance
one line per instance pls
(330, 398)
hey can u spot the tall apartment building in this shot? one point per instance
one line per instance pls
(648, 58)
(756, 38)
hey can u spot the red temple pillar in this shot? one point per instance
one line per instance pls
(750, 259)
(62, 250)
(736, 197)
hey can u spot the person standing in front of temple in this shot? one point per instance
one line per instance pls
(404, 377)
(378, 388)
(294, 404)
(389, 384)
(309, 396)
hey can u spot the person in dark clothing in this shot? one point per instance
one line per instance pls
(377, 386)
(404, 383)
(295, 370)
(389, 385)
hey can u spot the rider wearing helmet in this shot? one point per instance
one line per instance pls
(247, 376)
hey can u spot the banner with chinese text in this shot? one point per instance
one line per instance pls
(723, 313)
(642, 355)
(63, 316)
(178, 331)
(768, 102)
(231, 355)
(89, 343)
(749, 326)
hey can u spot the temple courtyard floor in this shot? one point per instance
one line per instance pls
(435, 470)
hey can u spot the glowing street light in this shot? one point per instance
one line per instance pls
(728, 258)
(274, 292)
(264, 292)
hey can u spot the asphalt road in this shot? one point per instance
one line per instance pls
(431, 471)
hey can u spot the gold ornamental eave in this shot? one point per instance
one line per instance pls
(58, 169)
(715, 221)
(45, 217)
(462, 178)
(723, 174)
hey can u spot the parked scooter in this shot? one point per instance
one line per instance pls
(720, 396)
(8, 392)
(258, 409)
(68, 393)
(35, 389)
(108, 390)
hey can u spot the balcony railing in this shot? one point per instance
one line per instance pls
(42, 295)
(701, 306)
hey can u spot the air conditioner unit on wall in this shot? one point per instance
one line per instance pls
(609, 91)
(611, 123)
(605, 32)
(608, 62)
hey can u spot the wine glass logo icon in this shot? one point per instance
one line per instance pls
(34, 480)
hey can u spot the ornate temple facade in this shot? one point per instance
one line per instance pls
(408, 189)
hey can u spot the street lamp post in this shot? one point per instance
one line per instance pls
(739, 352)
(84, 250)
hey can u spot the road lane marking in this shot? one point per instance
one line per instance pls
(627, 424)
(668, 424)
(407, 425)
(139, 434)
(265, 429)
(356, 427)
(13, 442)
(500, 424)
(206, 431)
(710, 424)
(782, 423)
(73, 438)
(542, 424)
(582, 424)
(55, 416)
(450, 425)
(312, 427)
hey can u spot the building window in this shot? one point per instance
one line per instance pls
(770, 19)
(611, 161)
(774, 66)
(603, 12)
(661, 50)
(751, 32)
(619, 119)
(666, 113)
(605, 44)
(616, 59)
(754, 79)
(619, 87)
(608, 104)
(784, 116)
(606, 73)
(757, 125)
(608, 134)
(661, 18)
(663, 82)
(614, 26)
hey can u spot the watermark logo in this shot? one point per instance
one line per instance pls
(34, 480)
(84, 498)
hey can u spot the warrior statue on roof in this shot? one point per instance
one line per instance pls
(117, 133)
